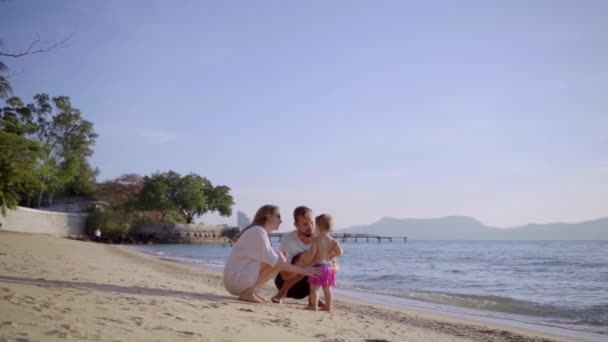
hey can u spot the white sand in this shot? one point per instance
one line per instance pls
(55, 289)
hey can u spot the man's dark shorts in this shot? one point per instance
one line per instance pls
(299, 290)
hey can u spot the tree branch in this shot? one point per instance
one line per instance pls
(31, 49)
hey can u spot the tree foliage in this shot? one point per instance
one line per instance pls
(19, 168)
(190, 195)
(64, 141)
(114, 224)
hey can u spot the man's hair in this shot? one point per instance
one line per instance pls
(300, 212)
(324, 222)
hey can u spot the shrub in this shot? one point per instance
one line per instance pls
(113, 224)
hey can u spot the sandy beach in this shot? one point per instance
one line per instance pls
(56, 289)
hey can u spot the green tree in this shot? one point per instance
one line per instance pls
(67, 139)
(220, 201)
(156, 194)
(85, 181)
(191, 195)
(18, 168)
(5, 85)
(114, 224)
(70, 139)
(16, 118)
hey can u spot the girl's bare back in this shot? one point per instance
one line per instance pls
(324, 246)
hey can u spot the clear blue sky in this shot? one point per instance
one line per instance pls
(363, 109)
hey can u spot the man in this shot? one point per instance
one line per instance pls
(97, 234)
(294, 245)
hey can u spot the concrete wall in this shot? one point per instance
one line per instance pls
(179, 233)
(28, 220)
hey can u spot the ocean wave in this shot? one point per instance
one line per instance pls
(595, 315)
(391, 278)
(564, 263)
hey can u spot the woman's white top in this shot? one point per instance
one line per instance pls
(248, 255)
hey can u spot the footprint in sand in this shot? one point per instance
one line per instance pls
(137, 320)
(65, 310)
(234, 331)
(6, 293)
(160, 327)
(29, 300)
(57, 333)
(114, 320)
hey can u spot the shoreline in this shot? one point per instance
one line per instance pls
(54, 289)
(498, 318)
(477, 316)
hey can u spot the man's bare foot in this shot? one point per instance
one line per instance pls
(277, 299)
(325, 308)
(249, 297)
(311, 308)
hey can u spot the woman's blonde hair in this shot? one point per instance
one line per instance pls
(261, 217)
(325, 222)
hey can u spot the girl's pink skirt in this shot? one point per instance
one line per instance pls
(327, 278)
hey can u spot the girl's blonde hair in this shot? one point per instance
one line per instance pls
(324, 222)
(261, 217)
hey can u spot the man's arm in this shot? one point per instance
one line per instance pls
(308, 257)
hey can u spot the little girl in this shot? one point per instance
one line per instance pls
(322, 249)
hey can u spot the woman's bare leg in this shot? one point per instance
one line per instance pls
(251, 294)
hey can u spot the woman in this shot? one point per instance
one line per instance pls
(252, 261)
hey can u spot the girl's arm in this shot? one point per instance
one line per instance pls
(337, 250)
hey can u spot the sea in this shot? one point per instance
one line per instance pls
(558, 287)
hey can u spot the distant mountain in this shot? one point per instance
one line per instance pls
(467, 228)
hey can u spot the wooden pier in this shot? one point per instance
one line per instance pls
(345, 237)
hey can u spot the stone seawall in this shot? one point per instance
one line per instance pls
(27, 220)
(180, 233)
